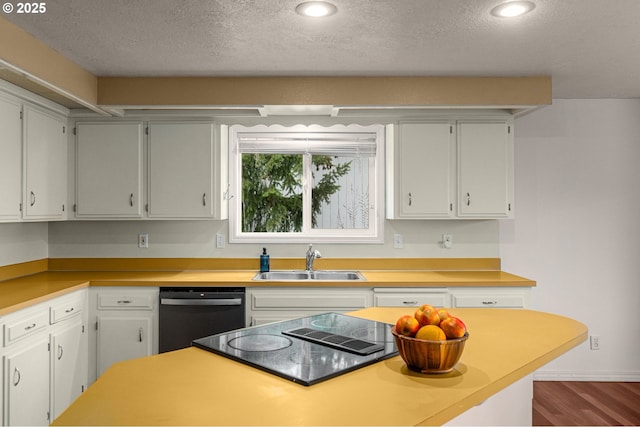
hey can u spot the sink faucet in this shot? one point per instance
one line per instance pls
(311, 256)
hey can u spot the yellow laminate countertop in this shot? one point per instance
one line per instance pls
(22, 292)
(196, 387)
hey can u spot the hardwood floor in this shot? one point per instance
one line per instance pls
(571, 403)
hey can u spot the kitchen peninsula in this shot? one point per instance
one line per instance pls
(196, 387)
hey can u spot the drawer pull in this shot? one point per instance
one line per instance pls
(69, 310)
(489, 302)
(124, 301)
(31, 326)
(410, 302)
(60, 352)
(16, 377)
(140, 335)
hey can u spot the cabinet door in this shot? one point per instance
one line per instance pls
(485, 171)
(426, 153)
(109, 165)
(69, 374)
(27, 385)
(122, 337)
(45, 165)
(10, 159)
(181, 170)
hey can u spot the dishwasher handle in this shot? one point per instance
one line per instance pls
(187, 301)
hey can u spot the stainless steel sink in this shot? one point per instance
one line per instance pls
(314, 275)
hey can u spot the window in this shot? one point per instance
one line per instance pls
(304, 184)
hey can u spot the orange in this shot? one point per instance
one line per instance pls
(432, 333)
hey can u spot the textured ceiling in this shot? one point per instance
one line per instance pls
(589, 47)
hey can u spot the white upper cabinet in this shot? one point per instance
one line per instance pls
(109, 170)
(44, 165)
(425, 171)
(181, 181)
(485, 169)
(10, 158)
(452, 169)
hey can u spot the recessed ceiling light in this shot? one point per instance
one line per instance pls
(316, 9)
(512, 9)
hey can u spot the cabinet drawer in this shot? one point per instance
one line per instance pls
(411, 300)
(25, 327)
(65, 310)
(125, 301)
(310, 301)
(505, 301)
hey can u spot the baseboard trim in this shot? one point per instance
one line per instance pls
(616, 376)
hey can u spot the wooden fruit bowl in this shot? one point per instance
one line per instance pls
(430, 357)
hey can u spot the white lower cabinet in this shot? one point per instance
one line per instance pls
(410, 297)
(122, 337)
(43, 359)
(69, 365)
(490, 297)
(276, 304)
(26, 373)
(509, 407)
(126, 322)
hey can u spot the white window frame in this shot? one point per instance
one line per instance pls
(373, 234)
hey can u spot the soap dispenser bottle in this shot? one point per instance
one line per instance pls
(264, 261)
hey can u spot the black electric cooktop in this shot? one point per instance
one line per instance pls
(309, 349)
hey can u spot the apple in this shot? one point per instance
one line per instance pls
(427, 315)
(453, 327)
(407, 325)
(443, 314)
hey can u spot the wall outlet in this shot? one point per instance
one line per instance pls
(220, 241)
(398, 241)
(143, 240)
(447, 241)
(594, 342)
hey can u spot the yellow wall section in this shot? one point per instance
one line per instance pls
(339, 91)
(35, 58)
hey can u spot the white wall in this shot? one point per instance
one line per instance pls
(196, 239)
(20, 242)
(577, 231)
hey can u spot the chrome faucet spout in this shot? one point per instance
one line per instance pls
(311, 256)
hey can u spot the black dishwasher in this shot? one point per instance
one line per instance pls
(189, 313)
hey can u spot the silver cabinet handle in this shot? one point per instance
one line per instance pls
(204, 199)
(69, 310)
(409, 199)
(410, 302)
(60, 351)
(489, 302)
(16, 373)
(131, 200)
(220, 301)
(468, 199)
(140, 334)
(31, 326)
(124, 301)
(33, 198)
